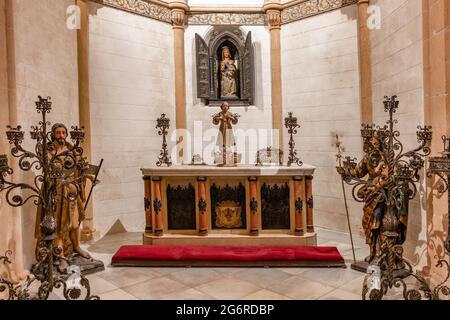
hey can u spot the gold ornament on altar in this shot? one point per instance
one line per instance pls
(228, 215)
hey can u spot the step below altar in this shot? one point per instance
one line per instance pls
(243, 205)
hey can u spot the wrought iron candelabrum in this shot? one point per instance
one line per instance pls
(291, 123)
(163, 124)
(398, 175)
(54, 171)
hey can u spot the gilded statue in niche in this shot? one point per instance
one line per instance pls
(228, 71)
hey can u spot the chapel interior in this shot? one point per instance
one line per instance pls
(225, 125)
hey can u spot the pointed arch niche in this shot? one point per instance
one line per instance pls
(209, 56)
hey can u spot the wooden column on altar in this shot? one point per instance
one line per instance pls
(147, 204)
(243, 205)
(310, 205)
(157, 207)
(254, 218)
(202, 206)
(299, 197)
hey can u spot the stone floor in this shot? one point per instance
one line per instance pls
(228, 283)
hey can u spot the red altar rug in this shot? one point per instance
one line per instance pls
(226, 256)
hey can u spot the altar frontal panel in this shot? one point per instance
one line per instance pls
(228, 204)
(275, 204)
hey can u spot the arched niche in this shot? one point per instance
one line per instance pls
(211, 66)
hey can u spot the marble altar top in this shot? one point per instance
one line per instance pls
(239, 171)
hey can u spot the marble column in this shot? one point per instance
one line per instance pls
(254, 230)
(273, 9)
(157, 207)
(147, 203)
(202, 206)
(299, 191)
(365, 63)
(87, 231)
(178, 15)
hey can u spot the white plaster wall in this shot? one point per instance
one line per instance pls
(46, 65)
(131, 84)
(256, 120)
(321, 87)
(397, 68)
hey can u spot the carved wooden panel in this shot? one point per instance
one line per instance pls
(203, 68)
(228, 206)
(247, 65)
(275, 202)
(181, 207)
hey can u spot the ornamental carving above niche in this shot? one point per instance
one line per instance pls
(141, 7)
(255, 19)
(311, 8)
(225, 67)
(160, 11)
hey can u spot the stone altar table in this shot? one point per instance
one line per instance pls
(243, 205)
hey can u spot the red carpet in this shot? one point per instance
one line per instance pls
(227, 256)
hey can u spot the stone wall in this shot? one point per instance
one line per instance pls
(397, 69)
(131, 84)
(45, 60)
(258, 117)
(321, 87)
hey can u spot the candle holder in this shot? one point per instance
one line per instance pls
(51, 176)
(163, 124)
(291, 123)
(395, 186)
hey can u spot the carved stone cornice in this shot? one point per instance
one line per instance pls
(223, 18)
(273, 13)
(151, 9)
(297, 11)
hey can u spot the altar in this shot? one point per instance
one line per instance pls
(242, 205)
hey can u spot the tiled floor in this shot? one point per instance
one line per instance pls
(227, 283)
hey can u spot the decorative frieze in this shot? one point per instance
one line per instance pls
(312, 7)
(142, 7)
(255, 19)
(158, 11)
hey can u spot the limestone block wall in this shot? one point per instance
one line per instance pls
(131, 84)
(321, 87)
(397, 69)
(45, 59)
(257, 117)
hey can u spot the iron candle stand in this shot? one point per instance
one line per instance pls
(51, 176)
(398, 186)
(291, 123)
(163, 124)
